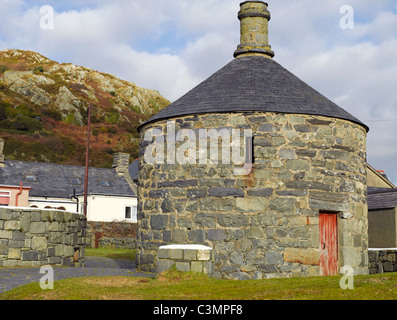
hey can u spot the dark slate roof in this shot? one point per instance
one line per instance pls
(372, 190)
(133, 170)
(253, 83)
(382, 198)
(55, 181)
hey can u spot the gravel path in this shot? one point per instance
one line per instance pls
(11, 278)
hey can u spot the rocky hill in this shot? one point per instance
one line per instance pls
(43, 110)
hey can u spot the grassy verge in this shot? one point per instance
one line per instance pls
(123, 254)
(174, 285)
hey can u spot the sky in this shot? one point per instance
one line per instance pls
(171, 46)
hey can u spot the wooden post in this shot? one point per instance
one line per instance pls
(87, 156)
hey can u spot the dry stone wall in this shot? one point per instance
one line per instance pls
(382, 260)
(31, 238)
(264, 224)
(115, 234)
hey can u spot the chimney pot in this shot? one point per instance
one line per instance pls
(254, 18)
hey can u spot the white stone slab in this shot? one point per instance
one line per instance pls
(186, 246)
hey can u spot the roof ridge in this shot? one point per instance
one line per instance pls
(57, 164)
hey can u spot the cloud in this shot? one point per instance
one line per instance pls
(355, 68)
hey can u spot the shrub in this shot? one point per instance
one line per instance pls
(6, 124)
(24, 123)
(53, 114)
(70, 119)
(3, 68)
(112, 130)
(3, 112)
(7, 107)
(112, 117)
(38, 69)
(110, 151)
(133, 131)
(25, 110)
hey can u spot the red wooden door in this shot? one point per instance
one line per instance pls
(328, 244)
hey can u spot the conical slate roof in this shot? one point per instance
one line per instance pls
(253, 83)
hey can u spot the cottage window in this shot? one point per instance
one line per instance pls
(130, 213)
(4, 198)
(249, 147)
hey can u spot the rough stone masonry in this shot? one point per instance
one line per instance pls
(308, 154)
(265, 224)
(32, 238)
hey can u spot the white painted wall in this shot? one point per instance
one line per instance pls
(109, 208)
(53, 203)
(100, 208)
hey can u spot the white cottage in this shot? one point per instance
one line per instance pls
(110, 195)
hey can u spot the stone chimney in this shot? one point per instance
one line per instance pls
(254, 18)
(121, 162)
(2, 163)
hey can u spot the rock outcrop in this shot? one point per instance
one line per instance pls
(42, 100)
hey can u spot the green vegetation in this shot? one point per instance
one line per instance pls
(123, 254)
(3, 68)
(70, 119)
(53, 113)
(20, 118)
(25, 123)
(175, 285)
(38, 69)
(112, 117)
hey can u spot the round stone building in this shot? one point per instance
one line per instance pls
(257, 165)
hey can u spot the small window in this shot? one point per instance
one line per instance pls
(75, 181)
(134, 214)
(131, 213)
(128, 212)
(5, 198)
(249, 147)
(30, 178)
(104, 183)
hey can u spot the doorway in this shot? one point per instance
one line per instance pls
(328, 224)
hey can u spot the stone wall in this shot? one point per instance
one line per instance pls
(32, 237)
(186, 258)
(382, 260)
(117, 235)
(265, 224)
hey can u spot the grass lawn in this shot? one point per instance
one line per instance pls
(123, 254)
(175, 285)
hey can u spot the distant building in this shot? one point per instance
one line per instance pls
(17, 196)
(377, 178)
(110, 195)
(382, 210)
